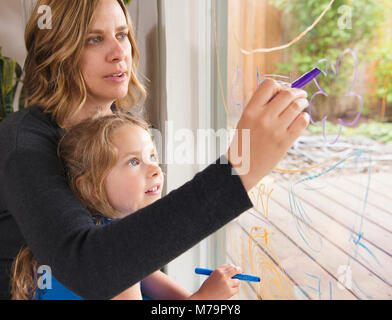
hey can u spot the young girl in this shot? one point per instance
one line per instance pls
(86, 63)
(111, 165)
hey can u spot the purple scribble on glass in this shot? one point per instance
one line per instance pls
(349, 93)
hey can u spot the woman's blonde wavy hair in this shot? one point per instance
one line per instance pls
(88, 154)
(53, 64)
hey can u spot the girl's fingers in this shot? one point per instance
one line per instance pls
(235, 283)
(232, 271)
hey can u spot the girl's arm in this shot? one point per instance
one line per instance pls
(132, 293)
(158, 286)
(218, 286)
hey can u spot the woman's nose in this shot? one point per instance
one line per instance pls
(116, 51)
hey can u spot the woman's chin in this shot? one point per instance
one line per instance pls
(113, 96)
(110, 93)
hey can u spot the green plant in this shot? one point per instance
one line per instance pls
(127, 2)
(10, 76)
(383, 71)
(328, 40)
(378, 131)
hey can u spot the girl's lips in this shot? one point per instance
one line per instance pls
(154, 193)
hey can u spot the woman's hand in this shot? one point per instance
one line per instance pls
(219, 285)
(274, 120)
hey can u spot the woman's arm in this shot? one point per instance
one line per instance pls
(98, 262)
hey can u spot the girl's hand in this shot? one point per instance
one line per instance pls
(275, 120)
(219, 285)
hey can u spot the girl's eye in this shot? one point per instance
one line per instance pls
(134, 162)
(154, 158)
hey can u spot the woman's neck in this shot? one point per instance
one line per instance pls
(88, 110)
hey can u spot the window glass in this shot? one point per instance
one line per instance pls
(321, 226)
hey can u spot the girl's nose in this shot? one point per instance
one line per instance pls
(154, 169)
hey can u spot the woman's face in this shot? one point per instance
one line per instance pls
(107, 54)
(136, 180)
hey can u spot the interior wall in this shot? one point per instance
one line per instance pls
(12, 30)
(144, 15)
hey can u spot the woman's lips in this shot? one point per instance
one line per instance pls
(117, 79)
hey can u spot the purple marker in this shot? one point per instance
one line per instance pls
(306, 78)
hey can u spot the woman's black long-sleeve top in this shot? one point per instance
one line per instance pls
(97, 262)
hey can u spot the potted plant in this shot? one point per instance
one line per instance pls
(10, 86)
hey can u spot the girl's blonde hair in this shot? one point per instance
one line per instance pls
(88, 153)
(53, 63)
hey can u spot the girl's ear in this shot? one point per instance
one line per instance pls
(85, 189)
(79, 181)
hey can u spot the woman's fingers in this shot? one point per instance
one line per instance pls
(290, 114)
(264, 93)
(297, 126)
(283, 100)
(266, 130)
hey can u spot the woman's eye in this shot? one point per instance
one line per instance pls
(94, 40)
(123, 35)
(134, 162)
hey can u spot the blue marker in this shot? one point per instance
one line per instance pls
(243, 277)
(306, 78)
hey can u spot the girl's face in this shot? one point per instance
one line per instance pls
(107, 54)
(136, 180)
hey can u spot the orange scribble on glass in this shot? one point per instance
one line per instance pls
(262, 198)
(289, 44)
(274, 283)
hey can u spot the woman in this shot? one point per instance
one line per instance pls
(83, 65)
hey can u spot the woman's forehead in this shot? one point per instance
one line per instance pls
(108, 14)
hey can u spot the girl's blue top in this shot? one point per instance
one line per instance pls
(58, 291)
